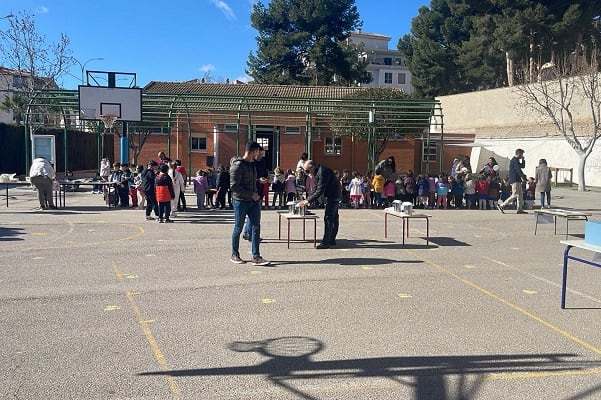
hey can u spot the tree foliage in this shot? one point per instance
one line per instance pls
(464, 45)
(379, 115)
(305, 42)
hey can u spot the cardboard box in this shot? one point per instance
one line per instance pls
(592, 232)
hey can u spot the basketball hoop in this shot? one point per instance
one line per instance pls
(108, 120)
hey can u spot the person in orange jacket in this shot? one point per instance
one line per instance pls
(163, 186)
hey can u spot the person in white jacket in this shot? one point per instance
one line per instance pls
(178, 186)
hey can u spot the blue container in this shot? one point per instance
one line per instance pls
(592, 232)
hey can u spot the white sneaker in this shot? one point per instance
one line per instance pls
(260, 261)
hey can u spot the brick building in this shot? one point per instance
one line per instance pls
(214, 121)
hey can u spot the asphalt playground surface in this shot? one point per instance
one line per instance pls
(97, 303)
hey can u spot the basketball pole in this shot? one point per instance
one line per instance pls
(124, 154)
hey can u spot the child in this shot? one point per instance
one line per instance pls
(163, 186)
(469, 188)
(530, 189)
(482, 191)
(367, 193)
(493, 192)
(431, 191)
(378, 187)
(355, 189)
(458, 191)
(133, 189)
(451, 198)
(442, 191)
(299, 183)
(505, 189)
(201, 186)
(290, 184)
(278, 187)
(423, 187)
(139, 187)
(389, 192)
(97, 188)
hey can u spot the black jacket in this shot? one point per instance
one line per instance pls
(148, 177)
(223, 180)
(324, 183)
(243, 179)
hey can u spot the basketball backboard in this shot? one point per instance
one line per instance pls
(96, 100)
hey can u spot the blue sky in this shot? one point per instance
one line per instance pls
(177, 40)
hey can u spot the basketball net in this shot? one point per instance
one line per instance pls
(109, 121)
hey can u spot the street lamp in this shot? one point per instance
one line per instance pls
(83, 66)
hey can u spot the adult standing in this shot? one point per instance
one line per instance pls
(387, 168)
(181, 203)
(41, 175)
(543, 177)
(326, 184)
(301, 162)
(516, 177)
(178, 186)
(223, 186)
(243, 184)
(148, 176)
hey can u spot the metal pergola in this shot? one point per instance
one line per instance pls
(371, 119)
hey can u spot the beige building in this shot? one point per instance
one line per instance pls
(501, 122)
(387, 67)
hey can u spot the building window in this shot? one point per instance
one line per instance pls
(333, 146)
(293, 130)
(263, 142)
(401, 78)
(387, 60)
(316, 133)
(232, 128)
(429, 151)
(199, 142)
(20, 81)
(388, 78)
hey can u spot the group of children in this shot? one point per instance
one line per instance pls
(424, 190)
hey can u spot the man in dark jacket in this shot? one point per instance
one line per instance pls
(516, 177)
(223, 186)
(326, 184)
(148, 176)
(245, 199)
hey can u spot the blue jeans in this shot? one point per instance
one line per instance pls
(242, 209)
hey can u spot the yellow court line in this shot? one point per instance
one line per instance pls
(129, 237)
(517, 308)
(542, 374)
(144, 323)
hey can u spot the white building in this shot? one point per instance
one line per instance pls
(387, 67)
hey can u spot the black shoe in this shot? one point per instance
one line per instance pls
(500, 208)
(322, 246)
(521, 212)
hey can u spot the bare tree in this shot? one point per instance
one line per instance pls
(37, 62)
(567, 94)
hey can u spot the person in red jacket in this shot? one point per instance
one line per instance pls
(163, 186)
(482, 191)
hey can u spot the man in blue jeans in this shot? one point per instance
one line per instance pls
(326, 184)
(245, 199)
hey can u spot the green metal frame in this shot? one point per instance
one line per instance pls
(414, 117)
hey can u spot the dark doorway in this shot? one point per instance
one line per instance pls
(264, 136)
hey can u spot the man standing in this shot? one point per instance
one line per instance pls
(41, 175)
(516, 176)
(245, 199)
(326, 184)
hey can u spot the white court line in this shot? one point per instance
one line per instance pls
(545, 280)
